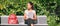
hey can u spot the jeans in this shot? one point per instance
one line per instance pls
(29, 21)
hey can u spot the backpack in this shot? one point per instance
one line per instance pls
(12, 19)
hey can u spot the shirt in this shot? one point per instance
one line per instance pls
(30, 14)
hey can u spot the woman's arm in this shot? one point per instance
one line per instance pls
(24, 16)
(35, 16)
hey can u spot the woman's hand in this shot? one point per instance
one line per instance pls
(25, 19)
(34, 19)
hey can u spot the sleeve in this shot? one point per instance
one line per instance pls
(25, 11)
(34, 11)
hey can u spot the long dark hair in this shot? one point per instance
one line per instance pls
(31, 4)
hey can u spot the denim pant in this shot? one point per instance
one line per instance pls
(29, 21)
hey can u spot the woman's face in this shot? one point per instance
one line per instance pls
(29, 6)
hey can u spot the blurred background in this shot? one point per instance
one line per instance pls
(50, 8)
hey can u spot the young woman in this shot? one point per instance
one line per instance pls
(30, 14)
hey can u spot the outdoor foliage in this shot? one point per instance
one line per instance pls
(50, 8)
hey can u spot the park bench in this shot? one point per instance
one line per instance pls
(41, 21)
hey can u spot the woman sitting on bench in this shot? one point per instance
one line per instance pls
(30, 14)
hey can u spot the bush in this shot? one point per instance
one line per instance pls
(50, 8)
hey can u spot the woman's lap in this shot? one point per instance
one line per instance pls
(29, 21)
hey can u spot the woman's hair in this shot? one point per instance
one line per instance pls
(31, 4)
